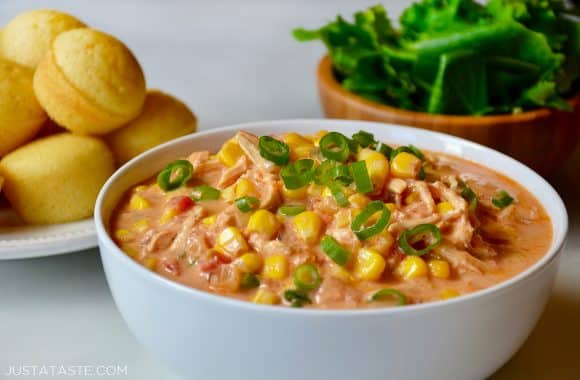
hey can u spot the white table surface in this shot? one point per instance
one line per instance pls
(231, 61)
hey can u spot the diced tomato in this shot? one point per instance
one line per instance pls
(180, 203)
(214, 262)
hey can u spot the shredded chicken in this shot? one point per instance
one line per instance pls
(249, 144)
(461, 260)
(184, 234)
(397, 185)
(268, 187)
(230, 175)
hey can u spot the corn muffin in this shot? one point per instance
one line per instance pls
(163, 118)
(20, 113)
(56, 179)
(89, 82)
(28, 36)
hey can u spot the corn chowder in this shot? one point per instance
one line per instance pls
(330, 221)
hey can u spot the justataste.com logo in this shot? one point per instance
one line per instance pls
(24, 370)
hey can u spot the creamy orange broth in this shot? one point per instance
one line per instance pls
(502, 242)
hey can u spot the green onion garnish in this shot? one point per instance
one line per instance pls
(393, 294)
(249, 281)
(358, 224)
(502, 199)
(247, 204)
(334, 250)
(291, 210)
(361, 177)
(341, 173)
(298, 174)
(335, 146)
(322, 173)
(364, 139)
(306, 277)
(205, 193)
(409, 149)
(297, 298)
(468, 194)
(384, 149)
(274, 150)
(337, 191)
(416, 234)
(422, 175)
(175, 175)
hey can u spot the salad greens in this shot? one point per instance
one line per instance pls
(458, 56)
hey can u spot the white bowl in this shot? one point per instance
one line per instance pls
(204, 336)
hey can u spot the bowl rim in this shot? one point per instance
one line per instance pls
(108, 247)
(325, 77)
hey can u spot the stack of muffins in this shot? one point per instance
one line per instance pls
(73, 105)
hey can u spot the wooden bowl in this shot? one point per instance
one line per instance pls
(542, 139)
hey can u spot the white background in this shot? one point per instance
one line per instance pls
(231, 61)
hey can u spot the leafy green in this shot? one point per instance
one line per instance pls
(458, 56)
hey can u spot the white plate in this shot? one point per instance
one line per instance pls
(25, 242)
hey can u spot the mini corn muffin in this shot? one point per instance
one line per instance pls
(163, 118)
(28, 36)
(56, 179)
(20, 113)
(89, 82)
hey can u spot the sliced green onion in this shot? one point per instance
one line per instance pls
(416, 233)
(468, 194)
(175, 175)
(335, 146)
(322, 173)
(364, 139)
(337, 191)
(422, 175)
(502, 199)
(274, 150)
(361, 177)
(247, 204)
(341, 173)
(291, 210)
(298, 174)
(358, 224)
(249, 281)
(297, 298)
(416, 151)
(409, 149)
(306, 277)
(352, 146)
(384, 149)
(334, 250)
(381, 295)
(205, 193)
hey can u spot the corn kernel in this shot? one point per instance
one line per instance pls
(230, 153)
(449, 293)
(245, 187)
(251, 262)
(131, 252)
(140, 225)
(209, 220)
(405, 165)
(315, 138)
(444, 207)
(412, 267)
(369, 265)
(391, 206)
(340, 273)
(275, 267)
(229, 193)
(264, 222)
(439, 268)
(122, 234)
(266, 297)
(151, 263)
(382, 242)
(231, 242)
(308, 225)
(293, 138)
(295, 194)
(359, 200)
(137, 202)
(377, 166)
(301, 151)
(168, 214)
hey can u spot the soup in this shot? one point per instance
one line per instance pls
(331, 222)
